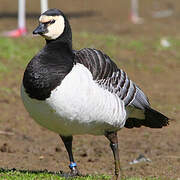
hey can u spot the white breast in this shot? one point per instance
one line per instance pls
(78, 106)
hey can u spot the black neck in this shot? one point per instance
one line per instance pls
(62, 41)
(60, 45)
(47, 69)
(58, 51)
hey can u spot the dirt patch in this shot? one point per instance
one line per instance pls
(35, 148)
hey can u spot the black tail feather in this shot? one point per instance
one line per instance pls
(153, 119)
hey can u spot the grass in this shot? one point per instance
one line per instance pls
(34, 175)
(40, 175)
(16, 53)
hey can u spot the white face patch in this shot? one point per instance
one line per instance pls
(55, 29)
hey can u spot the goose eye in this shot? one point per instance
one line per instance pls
(49, 22)
(46, 23)
(52, 21)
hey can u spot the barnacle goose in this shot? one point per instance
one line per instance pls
(75, 92)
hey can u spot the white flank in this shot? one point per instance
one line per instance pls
(78, 106)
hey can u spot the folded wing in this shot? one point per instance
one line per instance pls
(106, 73)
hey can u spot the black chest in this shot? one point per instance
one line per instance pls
(46, 71)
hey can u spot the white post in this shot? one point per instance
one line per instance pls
(21, 14)
(134, 7)
(44, 5)
(135, 12)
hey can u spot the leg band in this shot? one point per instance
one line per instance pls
(72, 164)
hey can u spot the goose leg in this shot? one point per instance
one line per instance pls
(67, 140)
(112, 137)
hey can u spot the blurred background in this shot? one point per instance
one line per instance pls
(101, 16)
(143, 40)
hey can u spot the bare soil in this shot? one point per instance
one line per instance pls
(35, 148)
